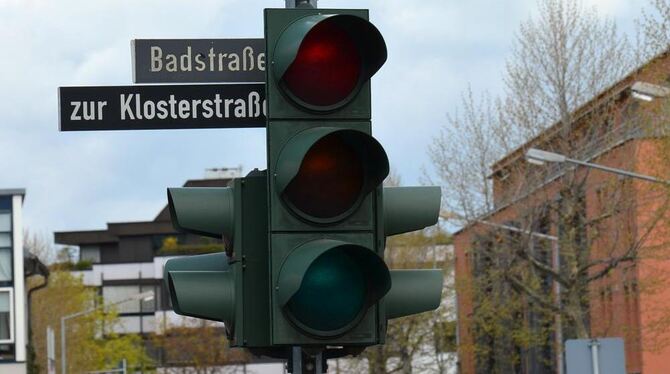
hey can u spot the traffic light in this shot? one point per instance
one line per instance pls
(305, 239)
(327, 220)
(231, 286)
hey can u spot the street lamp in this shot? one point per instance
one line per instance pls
(648, 91)
(144, 296)
(539, 157)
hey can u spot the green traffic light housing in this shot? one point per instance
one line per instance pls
(202, 286)
(321, 61)
(413, 291)
(328, 212)
(408, 209)
(323, 173)
(206, 211)
(229, 286)
(326, 286)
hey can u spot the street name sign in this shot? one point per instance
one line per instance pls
(198, 60)
(161, 107)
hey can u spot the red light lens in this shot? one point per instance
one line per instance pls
(326, 68)
(329, 181)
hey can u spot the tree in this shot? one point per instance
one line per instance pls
(198, 346)
(655, 26)
(562, 61)
(39, 245)
(37, 277)
(92, 343)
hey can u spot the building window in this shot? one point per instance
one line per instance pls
(7, 352)
(6, 311)
(115, 294)
(149, 306)
(5, 203)
(5, 264)
(5, 222)
(5, 246)
(90, 253)
(5, 239)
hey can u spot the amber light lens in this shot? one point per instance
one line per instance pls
(329, 181)
(327, 67)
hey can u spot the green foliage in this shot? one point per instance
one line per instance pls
(199, 344)
(91, 341)
(32, 367)
(83, 265)
(505, 321)
(445, 336)
(171, 246)
(72, 266)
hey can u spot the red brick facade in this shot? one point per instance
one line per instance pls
(633, 300)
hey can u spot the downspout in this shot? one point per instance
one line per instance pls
(44, 271)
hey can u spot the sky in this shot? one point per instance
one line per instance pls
(82, 180)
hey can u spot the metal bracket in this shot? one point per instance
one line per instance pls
(301, 4)
(304, 362)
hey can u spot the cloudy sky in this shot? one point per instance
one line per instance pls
(79, 181)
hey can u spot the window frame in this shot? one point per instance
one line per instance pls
(121, 307)
(85, 248)
(10, 233)
(10, 291)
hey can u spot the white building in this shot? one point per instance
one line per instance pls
(13, 323)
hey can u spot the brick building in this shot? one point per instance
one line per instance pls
(622, 237)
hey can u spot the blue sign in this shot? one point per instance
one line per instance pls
(595, 356)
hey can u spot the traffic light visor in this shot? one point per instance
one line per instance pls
(206, 211)
(410, 208)
(201, 286)
(413, 291)
(326, 286)
(324, 173)
(322, 60)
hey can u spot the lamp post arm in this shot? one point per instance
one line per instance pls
(516, 229)
(78, 314)
(452, 215)
(617, 171)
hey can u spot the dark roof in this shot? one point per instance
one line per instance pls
(162, 224)
(13, 191)
(84, 237)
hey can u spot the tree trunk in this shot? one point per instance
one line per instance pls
(376, 360)
(576, 313)
(406, 361)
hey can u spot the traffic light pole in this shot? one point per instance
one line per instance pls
(301, 362)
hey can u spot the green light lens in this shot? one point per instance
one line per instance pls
(332, 293)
